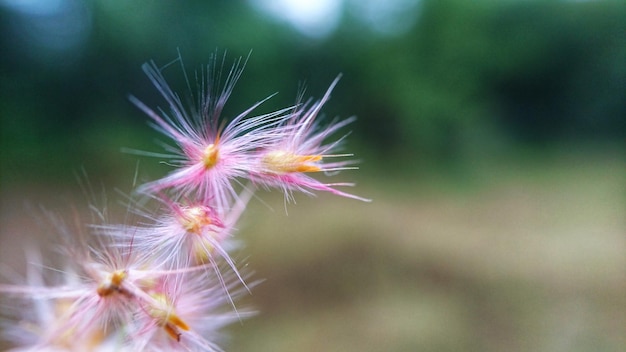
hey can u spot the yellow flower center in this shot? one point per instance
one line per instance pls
(194, 219)
(165, 317)
(210, 156)
(283, 162)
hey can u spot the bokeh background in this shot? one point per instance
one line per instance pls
(490, 134)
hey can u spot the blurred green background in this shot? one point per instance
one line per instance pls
(490, 134)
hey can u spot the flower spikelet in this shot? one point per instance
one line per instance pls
(301, 150)
(167, 278)
(210, 152)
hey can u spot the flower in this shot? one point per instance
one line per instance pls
(186, 313)
(210, 153)
(168, 282)
(76, 313)
(86, 302)
(300, 150)
(184, 234)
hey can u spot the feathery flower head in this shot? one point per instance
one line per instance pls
(186, 313)
(67, 315)
(185, 232)
(169, 282)
(210, 152)
(181, 237)
(300, 150)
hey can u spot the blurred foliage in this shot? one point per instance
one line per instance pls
(466, 79)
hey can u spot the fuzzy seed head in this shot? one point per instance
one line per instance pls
(282, 162)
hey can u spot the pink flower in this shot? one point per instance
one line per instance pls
(80, 311)
(210, 154)
(301, 150)
(186, 312)
(185, 235)
(169, 282)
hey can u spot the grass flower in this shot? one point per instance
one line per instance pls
(97, 290)
(99, 298)
(168, 281)
(70, 314)
(185, 235)
(210, 153)
(301, 150)
(186, 313)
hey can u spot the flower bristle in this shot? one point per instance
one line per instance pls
(169, 280)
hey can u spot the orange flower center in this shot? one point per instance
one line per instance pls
(165, 316)
(112, 283)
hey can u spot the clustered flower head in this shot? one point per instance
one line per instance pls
(169, 282)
